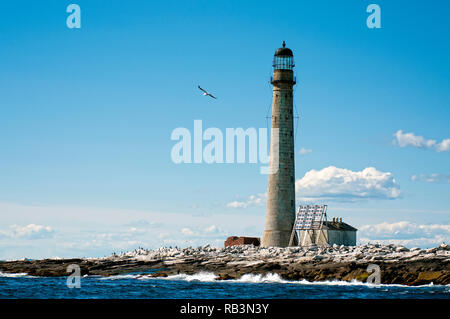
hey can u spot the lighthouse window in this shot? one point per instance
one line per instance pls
(283, 62)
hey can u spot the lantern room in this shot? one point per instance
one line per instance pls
(283, 59)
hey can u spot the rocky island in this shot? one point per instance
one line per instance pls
(398, 264)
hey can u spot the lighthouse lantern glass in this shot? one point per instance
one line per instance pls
(283, 62)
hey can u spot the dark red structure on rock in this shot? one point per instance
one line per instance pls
(235, 240)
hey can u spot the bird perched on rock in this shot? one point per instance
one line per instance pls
(205, 93)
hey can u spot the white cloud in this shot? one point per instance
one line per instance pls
(304, 151)
(212, 229)
(253, 200)
(135, 230)
(410, 139)
(187, 231)
(138, 223)
(106, 230)
(332, 183)
(404, 229)
(237, 204)
(198, 233)
(31, 231)
(444, 146)
(406, 233)
(163, 235)
(96, 231)
(432, 178)
(144, 224)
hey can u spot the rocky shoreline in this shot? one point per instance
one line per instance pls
(398, 265)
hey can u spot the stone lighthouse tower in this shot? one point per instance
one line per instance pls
(280, 211)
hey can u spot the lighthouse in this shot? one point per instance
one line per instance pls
(280, 210)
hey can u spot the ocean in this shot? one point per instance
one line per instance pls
(204, 286)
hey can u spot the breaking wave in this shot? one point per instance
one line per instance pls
(201, 276)
(274, 278)
(14, 275)
(118, 277)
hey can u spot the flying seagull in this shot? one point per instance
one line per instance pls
(205, 93)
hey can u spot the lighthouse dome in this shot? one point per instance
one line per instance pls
(284, 51)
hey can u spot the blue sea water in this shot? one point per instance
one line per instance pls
(203, 285)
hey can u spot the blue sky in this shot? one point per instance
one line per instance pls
(86, 117)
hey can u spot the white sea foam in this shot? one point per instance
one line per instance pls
(257, 278)
(201, 276)
(211, 277)
(14, 275)
(117, 277)
(275, 278)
